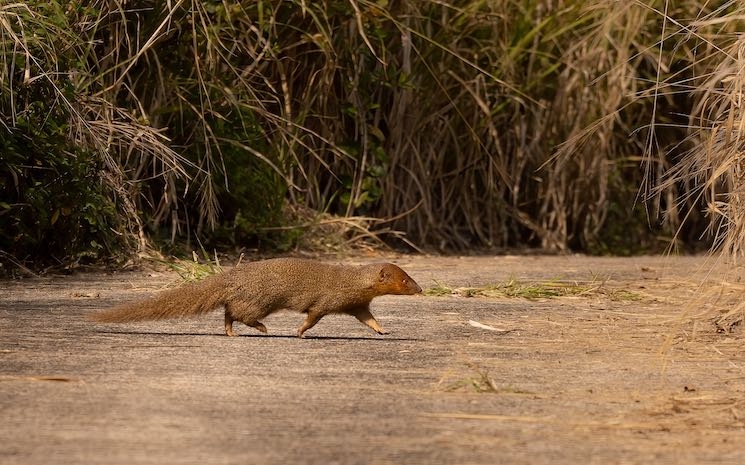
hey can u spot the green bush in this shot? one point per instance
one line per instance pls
(55, 207)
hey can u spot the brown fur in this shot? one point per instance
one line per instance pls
(251, 291)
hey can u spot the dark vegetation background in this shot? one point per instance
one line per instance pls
(587, 125)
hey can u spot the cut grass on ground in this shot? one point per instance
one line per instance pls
(536, 290)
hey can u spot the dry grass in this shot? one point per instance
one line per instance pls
(712, 165)
(460, 125)
(538, 290)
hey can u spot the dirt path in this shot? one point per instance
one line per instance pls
(625, 368)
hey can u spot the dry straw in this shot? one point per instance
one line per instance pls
(466, 124)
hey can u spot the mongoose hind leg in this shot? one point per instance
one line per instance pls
(229, 323)
(364, 315)
(314, 317)
(256, 324)
(233, 313)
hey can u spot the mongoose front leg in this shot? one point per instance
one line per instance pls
(310, 321)
(363, 314)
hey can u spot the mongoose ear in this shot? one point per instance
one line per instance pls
(383, 275)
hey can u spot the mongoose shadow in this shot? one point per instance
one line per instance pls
(262, 336)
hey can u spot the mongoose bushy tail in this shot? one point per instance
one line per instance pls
(251, 291)
(186, 301)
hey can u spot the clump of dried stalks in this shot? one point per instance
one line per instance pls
(699, 60)
(463, 124)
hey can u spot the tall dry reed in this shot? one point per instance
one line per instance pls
(557, 124)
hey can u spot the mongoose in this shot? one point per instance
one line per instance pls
(251, 291)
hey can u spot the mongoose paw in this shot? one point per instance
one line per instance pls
(382, 331)
(230, 332)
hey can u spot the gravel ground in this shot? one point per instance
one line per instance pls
(625, 367)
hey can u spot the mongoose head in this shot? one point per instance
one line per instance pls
(394, 280)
